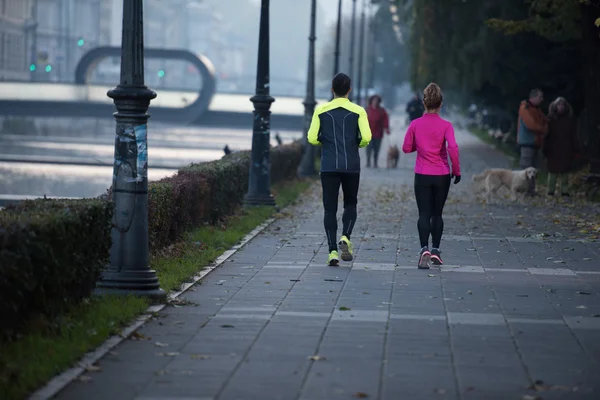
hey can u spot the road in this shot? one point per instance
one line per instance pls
(66, 165)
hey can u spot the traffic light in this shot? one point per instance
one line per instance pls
(32, 67)
(161, 73)
(48, 68)
(80, 42)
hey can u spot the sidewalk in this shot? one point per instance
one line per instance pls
(511, 308)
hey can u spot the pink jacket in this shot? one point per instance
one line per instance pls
(428, 136)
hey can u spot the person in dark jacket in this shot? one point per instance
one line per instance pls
(415, 108)
(532, 126)
(341, 127)
(560, 145)
(379, 122)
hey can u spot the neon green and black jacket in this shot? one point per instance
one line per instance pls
(341, 127)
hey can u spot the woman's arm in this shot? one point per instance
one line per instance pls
(409, 145)
(453, 150)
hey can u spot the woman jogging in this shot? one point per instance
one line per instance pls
(433, 139)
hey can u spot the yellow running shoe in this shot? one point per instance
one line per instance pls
(347, 247)
(333, 260)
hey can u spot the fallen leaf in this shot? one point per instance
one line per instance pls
(582, 307)
(470, 292)
(199, 357)
(431, 275)
(361, 395)
(440, 391)
(138, 336)
(342, 308)
(317, 358)
(93, 368)
(587, 259)
(85, 378)
(227, 326)
(169, 354)
(585, 293)
(530, 397)
(159, 344)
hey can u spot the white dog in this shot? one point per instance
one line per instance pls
(516, 181)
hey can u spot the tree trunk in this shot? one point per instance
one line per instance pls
(591, 77)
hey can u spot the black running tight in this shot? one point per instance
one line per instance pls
(331, 188)
(431, 192)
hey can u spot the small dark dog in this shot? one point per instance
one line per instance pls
(393, 156)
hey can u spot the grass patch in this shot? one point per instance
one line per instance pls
(30, 361)
(506, 148)
(200, 247)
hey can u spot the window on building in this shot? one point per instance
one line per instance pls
(15, 52)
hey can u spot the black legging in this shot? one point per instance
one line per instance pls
(331, 188)
(431, 192)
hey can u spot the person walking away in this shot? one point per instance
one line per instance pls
(414, 108)
(560, 145)
(379, 122)
(341, 128)
(433, 139)
(532, 126)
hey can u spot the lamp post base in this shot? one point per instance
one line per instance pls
(142, 283)
(259, 200)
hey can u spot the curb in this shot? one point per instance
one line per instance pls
(59, 382)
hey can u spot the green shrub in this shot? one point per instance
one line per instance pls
(52, 251)
(51, 254)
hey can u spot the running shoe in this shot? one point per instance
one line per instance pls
(436, 257)
(333, 260)
(424, 256)
(347, 248)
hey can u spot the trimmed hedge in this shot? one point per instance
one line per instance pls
(52, 251)
(51, 254)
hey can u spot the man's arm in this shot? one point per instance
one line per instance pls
(531, 122)
(315, 127)
(409, 145)
(364, 128)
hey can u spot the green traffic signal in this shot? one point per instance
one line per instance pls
(48, 68)
(80, 42)
(32, 67)
(161, 73)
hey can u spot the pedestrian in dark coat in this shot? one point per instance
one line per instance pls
(560, 145)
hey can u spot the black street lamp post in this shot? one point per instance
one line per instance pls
(336, 62)
(360, 55)
(129, 271)
(259, 181)
(352, 35)
(307, 166)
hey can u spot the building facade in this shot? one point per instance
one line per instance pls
(16, 23)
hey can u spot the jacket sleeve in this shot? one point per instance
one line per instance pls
(536, 123)
(453, 150)
(386, 120)
(315, 127)
(364, 129)
(409, 145)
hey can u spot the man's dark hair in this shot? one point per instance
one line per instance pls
(341, 84)
(535, 92)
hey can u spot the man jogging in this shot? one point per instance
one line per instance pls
(341, 127)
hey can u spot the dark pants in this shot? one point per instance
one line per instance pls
(431, 192)
(373, 148)
(331, 182)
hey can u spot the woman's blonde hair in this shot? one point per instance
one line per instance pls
(432, 97)
(553, 109)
